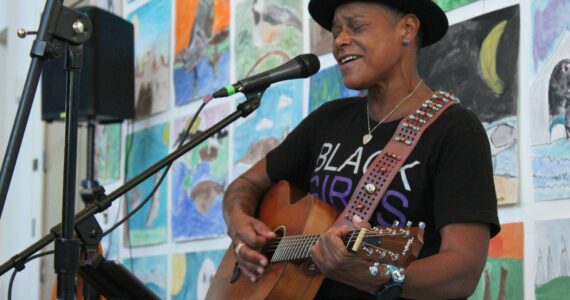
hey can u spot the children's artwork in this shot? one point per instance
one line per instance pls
(148, 225)
(552, 277)
(321, 39)
(280, 111)
(151, 24)
(447, 5)
(107, 153)
(110, 245)
(549, 24)
(202, 54)
(328, 85)
(478, 61)
(192, 273)
(152, 271)
(268, 33)
(199, 179)
(549, 100)
(503, 274)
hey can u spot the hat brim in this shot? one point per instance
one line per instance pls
(433, 20)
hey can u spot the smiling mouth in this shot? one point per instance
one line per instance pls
(348, 59)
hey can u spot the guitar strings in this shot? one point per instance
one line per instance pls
(294, 241)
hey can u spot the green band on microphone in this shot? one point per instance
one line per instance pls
(230, 89)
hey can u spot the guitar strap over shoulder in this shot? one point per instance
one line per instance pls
(374, 183)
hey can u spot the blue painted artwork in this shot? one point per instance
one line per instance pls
(110, 244)
(202, 53)
(152, 271)
(550, 122)
(280, 111)
(549, 24)
(199, 179)
(200, 81)
(192, 273)
(328, 85)
(145, 147)
(151, 23)
(551, 170)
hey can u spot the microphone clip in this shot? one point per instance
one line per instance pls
(252, 102)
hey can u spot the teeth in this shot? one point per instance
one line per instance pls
(348, 58)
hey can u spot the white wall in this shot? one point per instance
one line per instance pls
(3, 14)
(20, 220)
(2, 88)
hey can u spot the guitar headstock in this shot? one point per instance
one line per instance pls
(397, 246)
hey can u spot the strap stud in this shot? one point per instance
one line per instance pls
(370, 188)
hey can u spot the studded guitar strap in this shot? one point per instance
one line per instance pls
(383, 169)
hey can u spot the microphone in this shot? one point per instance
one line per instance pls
(301, 66)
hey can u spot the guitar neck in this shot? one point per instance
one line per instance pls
(297, 247)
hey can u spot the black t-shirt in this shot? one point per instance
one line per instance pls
(448, 177)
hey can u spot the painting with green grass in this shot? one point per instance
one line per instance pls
(502, 277)
(268, 33)
(451, 4)
(552, 278)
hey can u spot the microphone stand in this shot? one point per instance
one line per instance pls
(90, 191)
(73, 29)
(84, 219)
(57, 21)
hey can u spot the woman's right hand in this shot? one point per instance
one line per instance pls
(249, 235)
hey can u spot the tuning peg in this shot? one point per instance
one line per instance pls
(394, 256)
(395, 224)
(374, 269)
(422, 225)
(381, 253)
(409, 225)
(368, 251)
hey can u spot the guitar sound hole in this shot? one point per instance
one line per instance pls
(269, 249)
(280, 231)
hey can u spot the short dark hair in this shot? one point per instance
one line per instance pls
(396, 15)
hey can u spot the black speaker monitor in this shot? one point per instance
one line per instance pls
(107, 73)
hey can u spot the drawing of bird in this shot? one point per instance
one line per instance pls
(201, 34)
(270, 20)
(559, 96)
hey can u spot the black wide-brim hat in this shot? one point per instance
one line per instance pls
(433, 20)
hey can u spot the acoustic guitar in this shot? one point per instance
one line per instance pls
(298, 219)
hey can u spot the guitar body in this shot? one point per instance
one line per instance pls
(287, 211)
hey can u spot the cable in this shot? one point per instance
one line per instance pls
(136, 209)
(13, 276)
(131, 131)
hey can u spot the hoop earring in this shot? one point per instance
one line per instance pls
(406, 42)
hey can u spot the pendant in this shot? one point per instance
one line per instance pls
(366, 138)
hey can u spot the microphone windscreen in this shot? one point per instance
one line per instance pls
(309, 63)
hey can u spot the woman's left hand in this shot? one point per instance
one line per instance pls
(337, 263)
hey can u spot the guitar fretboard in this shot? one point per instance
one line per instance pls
(297, 247)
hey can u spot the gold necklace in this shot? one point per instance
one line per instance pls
(367, 137)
